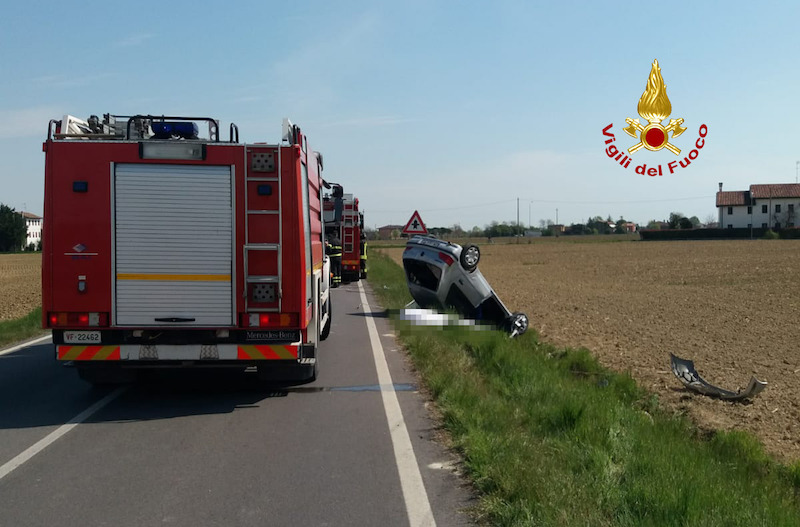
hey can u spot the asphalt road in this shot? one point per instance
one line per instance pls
(191, 448)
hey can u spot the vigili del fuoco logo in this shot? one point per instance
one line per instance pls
(654, 107)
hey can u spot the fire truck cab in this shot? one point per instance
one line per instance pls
(167, 248)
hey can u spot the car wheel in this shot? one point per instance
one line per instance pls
(470, 256)
(518, 324)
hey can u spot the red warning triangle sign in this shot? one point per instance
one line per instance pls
(415, 225)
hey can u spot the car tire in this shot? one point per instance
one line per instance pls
(517, 324)
(470, 256)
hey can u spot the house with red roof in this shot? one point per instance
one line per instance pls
(772, 206)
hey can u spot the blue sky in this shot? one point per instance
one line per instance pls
(451, 109)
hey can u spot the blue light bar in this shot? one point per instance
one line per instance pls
(170, 129)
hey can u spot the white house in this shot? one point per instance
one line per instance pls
(763, 206)
(34, 224)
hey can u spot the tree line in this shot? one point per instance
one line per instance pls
(13, 231)
(593, 225)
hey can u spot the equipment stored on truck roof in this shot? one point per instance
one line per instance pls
(168, 247)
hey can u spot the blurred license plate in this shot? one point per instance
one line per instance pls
(81, 337)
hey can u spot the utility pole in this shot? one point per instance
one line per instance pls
(558, 229)
(796, 171)
(517, 216)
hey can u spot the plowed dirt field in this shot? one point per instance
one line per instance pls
(20, 284)
(731, 306)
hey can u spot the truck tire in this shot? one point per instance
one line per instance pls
(287, 373)
(104, 375)
(326, 330)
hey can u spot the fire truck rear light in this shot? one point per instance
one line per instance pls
(62, 319)
(176, 150)
(260, 320)
(446, 258)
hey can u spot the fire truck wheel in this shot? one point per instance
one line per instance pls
(287, 374)
(104, 376)
(326, 329)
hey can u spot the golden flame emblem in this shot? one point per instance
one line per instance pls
(654, 107)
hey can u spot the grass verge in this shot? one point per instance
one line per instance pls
(549, 437)
(20, 329)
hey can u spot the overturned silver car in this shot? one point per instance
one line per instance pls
(444, 275)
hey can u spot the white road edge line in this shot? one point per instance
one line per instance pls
(49, 439)
(418, 506)
(26, 344)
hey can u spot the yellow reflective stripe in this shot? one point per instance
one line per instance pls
(283, 352)
(176, 277)
(104, 352)
(254, 353)
(251, 351)
(73, 353)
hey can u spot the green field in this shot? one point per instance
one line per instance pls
(548, 437)
(29, 326)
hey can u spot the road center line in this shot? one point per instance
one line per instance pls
(49, 439)
(418, 506)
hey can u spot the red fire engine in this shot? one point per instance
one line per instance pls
(349, 229)
(164, 248)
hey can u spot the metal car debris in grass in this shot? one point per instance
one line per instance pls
(685, 371)
(444, 275)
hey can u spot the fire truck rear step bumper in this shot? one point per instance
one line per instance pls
(208, 352)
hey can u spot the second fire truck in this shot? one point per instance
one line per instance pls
(348, 228)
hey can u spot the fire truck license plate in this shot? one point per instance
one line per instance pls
(81, 337)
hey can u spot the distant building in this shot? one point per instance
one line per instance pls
(385, 232)
(629, 227)
(34, 224)
(762, 206)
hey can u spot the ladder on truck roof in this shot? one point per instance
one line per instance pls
(265, 287)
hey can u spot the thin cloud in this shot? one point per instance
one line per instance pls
(134, 40)
(386, 120)
(71, 80)
(248, 98)
(27, 122)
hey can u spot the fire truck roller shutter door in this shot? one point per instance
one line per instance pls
(173, 245)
